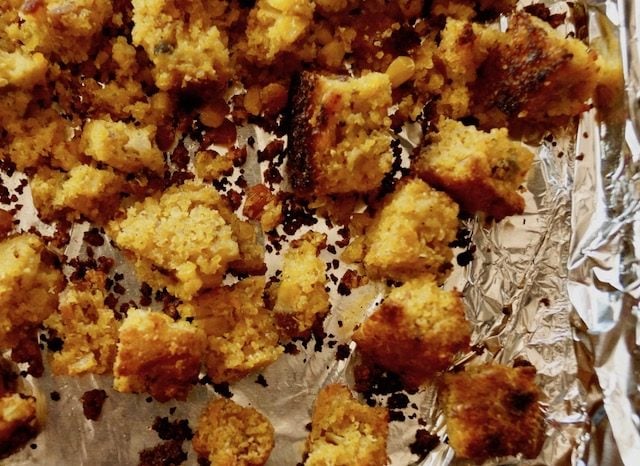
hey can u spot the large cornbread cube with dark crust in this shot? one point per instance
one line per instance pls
(18, 422)
(493, 410)
(339, 138)
(418, 319)
(481, 171)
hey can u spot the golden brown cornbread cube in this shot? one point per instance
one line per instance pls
(178, 240)
(410, 234)
(18, 422)
(418, 319)
(123, 146)
(345, 432)
(232, 435)
(479, 170)
(493, 410)
(157, 355)
(241, 333)
(87, 327)
(301, 297)
(339, 137)
(29, 285)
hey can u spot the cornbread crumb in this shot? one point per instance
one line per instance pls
(346, 432)
(420, 319)
(492, 410)
(410, 234)
(18, 422)
(157, 355)
(301, 297)
(241, 333)
(481, 171)
(86, 326)
(230, 434)
(22, 70)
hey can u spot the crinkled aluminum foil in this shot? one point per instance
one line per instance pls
(557, 286)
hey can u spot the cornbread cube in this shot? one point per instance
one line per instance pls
(492, 410)
(87, 327)
(345, 432)
(232, 435)
(339, 138)
(301, 297)
(123, 146)
(22, 70)
(241, 333)
(178, 240)
(481, 171)
(533, 75)
(157, 355)
(420, 319)
(410, 235)
(185, 41)
(29, 285)
(18, 422)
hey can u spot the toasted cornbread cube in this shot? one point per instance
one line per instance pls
(339, 140)
(481, 171)
(420, 319)
(178, 240)
(492, 410)
(232, 435)
(157, 355)
(241, 333)
(87, 327)
(29, 285)
(18, 422)
(301, 297)
(410, 235)
(345, 432)
(123, 146)
(22, 70)
(534, 75)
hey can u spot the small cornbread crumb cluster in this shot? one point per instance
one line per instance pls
(301, 297)
(420, 319)
(230, 434)
(346, 432)
(340, 140)
(493, 410)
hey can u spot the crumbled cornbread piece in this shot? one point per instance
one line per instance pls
(86, 326)
(184, 41)
(210, 165)
(157, 355)
(493, 410)
(241, 333)
(230, 434)
(18, 422)
(410, 235)
(22, 70)
(261, 204)
(481, 171)
(29, 285)
(339, 140)
(301, 297)
(123, 146)
(178, 240)
(420, 319)
(346, 432)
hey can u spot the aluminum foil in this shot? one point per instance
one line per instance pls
(557, 286)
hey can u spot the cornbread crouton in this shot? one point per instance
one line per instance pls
(241, 333)
(420, 319)
(29, 285)
(123, 146)
(481, 171)
(492, 410)
(339, 139)
(157, 355)
(301, 297)
(18, 422)
(410, 234)
(232, 435)
(178, 240)
(345, 432)
(88, 328)
(22, 70)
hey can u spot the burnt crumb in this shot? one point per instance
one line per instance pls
(260, 380)
(251, 141)
(270, 152)
(222, 389)
(519, 362)
(580, 156)
(397, 416)
(343, 289)
(146, 294)
(463, 239)
(54, 395)
(371, 380)
(169, 453)
(92, 401)
(93, 237)
(8, 377)
(234, 199)
(342, 352)
(28, 351)
(350, 280)
(180, 157)
(119, 289)
(466, 257)
(111, 301)
(398, 401)
(296, 213)
(346, 237)
(425, 442)
(205, 380)
(172, 430)
(541, 11)
(291, 348)
(272, 175)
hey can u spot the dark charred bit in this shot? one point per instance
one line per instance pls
(222, 389)
(172, 430)
(425, 442)
(92, 401)
(260, 380)
(27, 351)
(169, 453)
(371, 380)
(295, 214)
(8, 377)
(342, 352)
